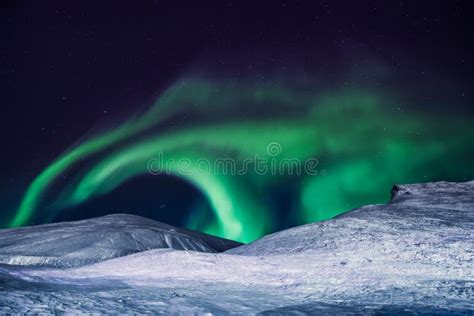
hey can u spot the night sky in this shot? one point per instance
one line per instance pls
(379, 92)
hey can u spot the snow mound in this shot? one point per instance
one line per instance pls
(78, 243)
(423, 223)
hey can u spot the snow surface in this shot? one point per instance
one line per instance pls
(414, 255)
(69, 244)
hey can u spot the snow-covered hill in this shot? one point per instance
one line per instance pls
(423, 223)
(69, 244)
(413, 255)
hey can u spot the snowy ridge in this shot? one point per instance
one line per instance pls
(69, 244)
(420, 221)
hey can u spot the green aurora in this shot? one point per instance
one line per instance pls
(363, 140)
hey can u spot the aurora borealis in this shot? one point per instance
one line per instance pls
(373, 94)
(362, 140)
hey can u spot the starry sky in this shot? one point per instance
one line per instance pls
(378, 93)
